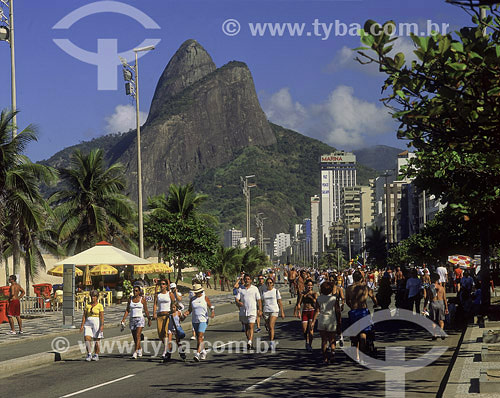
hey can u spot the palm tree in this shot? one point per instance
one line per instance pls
(228, 262)
(19, 191)
(184, 201)
(253, 260)
(92, 207)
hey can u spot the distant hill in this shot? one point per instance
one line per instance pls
(379, 157)
(287, 175)
(206, 126)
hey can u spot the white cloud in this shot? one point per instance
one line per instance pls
(123, 119)
(343, 120)
(282, 110)
(345, 58)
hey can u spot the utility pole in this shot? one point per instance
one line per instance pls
(246, 192)
(7, 34)
(387, 210)
(131, 76)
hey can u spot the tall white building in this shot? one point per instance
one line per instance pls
(315, 202)
(281, 242)
(338, 170)
(232, 237)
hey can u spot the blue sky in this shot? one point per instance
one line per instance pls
(307, 83)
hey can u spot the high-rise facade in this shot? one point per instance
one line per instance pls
(232, 237)
(338, 171)
(315, 202)
(281, 242)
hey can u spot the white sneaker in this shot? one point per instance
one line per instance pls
(134, 355)
(12, 332)
(203, 355)
(95, 357)
(197, 357)
(193, 337)
(139, 353)
(88, 358)
(271, 346)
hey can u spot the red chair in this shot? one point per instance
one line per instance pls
(38, 291)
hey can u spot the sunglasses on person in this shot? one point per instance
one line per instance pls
(137, 290)
(162, 283)
(270, 283)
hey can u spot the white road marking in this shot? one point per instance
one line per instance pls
(94, 387)
(265, 380)
(222, 345)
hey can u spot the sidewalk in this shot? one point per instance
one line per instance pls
(469, 370)
(50, 323)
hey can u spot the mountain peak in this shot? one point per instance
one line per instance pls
(190, 63)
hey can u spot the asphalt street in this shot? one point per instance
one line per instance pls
(289, 372)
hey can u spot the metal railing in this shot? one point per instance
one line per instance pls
(33, 305)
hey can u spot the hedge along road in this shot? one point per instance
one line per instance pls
(291, 371)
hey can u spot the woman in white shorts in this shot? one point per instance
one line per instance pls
(272, 307)
(328, 315)
(92, 325)
(135, 306)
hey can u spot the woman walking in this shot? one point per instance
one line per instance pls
(162, 307)
(272, 307)
(328, 315)
(136, 304)
(198, 306)
(92, 325)
(307, 298)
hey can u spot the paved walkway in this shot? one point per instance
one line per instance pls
(50, 323)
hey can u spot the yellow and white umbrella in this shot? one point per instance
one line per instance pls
(156, 268)
(103, 269)
(87, 280)
(58, 271)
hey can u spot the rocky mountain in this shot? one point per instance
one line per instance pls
(206, 126)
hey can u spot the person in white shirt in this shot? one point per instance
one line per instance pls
(272, 307)
(199, 306)
(250, 304)
(443, 275)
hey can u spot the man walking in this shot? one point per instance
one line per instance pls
(356, 296)
(249, 301)
(438, 309)
(16, 293)
(443, 275)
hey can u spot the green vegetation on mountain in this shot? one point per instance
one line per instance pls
(287, 175)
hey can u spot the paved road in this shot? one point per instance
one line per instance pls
(290, 372)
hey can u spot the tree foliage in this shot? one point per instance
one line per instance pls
(92, 207)
(448, 103)
(25, 216)
(448, 106)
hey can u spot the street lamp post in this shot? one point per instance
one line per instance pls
(7, 34)
(134, 91)
(387, 211)
(246, 193)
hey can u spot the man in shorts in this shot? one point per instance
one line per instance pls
(356, 296)
(16, 293)
(250, 304)
(435, 294)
